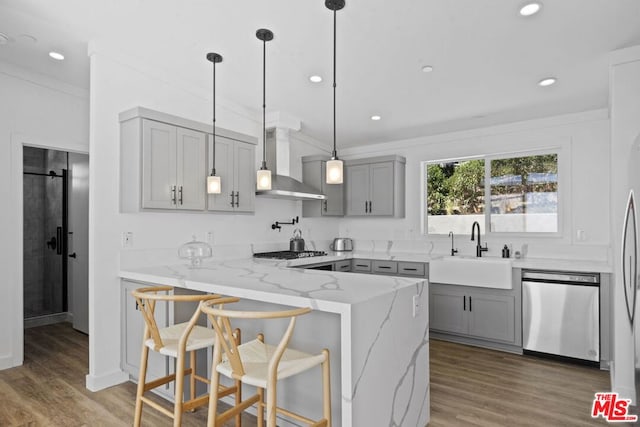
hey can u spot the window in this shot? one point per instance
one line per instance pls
(511, 194)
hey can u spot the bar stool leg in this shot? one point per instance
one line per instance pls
(179, 394)
(213, 388)
(271, 402)
(261, 407)
(192, 384)
(142, 376)
(326, 388)
(237, 333)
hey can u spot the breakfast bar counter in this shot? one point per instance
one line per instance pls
(376, 328)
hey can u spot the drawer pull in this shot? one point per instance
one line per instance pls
(410, 269)
(384, 266)
(362, 265)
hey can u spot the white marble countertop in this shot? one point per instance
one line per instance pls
(273, 281)
(527, 263)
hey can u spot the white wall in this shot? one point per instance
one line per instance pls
(118, 84)
(625, 163)
(38, 111)
(583, 144)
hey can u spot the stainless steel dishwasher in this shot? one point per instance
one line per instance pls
(561, 314)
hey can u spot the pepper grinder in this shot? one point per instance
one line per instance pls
(505, 252)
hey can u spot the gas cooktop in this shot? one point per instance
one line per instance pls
(288, 254)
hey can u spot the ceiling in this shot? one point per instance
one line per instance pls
(487, 59)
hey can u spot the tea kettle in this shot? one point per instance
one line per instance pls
(296, 243)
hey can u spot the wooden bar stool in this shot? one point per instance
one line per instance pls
(175, 341)
(260, 365)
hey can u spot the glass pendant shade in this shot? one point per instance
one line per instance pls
(263, 179)
(213, 185)
(334, 173)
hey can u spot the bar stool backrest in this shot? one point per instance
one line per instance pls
(219, 318)
(146, 299)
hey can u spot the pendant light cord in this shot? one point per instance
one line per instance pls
(334, 155)
(264, 104)
(213, 169)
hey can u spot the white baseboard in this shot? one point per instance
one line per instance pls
(7, 361)
(97, 383)
(626, 393)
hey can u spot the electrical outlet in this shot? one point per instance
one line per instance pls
(127, 239)
(210, 237)
(416, 305)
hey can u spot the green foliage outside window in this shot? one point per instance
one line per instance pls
(455, 188)
(522, 191)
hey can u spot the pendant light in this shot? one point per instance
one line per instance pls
(213, 182)
(335, 166)
(263, 176)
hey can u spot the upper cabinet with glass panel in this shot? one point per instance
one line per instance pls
(522, 194)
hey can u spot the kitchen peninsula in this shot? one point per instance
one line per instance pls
(378, 337)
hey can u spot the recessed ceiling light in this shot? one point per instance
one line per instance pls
(427, 69)
(57, 56)
(375, 118)
(547, 81)
(315, 79)
(530, 9)
(27, 38)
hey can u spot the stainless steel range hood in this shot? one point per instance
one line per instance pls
(285, 187)
(282, 185)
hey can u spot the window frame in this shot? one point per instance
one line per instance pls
(562, 182)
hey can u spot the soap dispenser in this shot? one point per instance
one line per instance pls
(505, 252)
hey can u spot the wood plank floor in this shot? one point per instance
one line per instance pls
(478, 387)
(469, 387)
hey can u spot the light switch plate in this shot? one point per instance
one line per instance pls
(127, 239)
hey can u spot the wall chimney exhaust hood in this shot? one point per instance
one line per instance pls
(282, 185)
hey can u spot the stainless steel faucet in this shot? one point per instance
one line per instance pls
(479, 248)
(453, 251)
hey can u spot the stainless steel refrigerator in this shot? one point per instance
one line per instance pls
(629, 266)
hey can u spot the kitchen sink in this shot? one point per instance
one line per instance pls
(485, 272)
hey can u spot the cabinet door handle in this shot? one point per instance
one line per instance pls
(173, 194)
(464, 303)
(470, 309)
(232, 202)
(366, 207)
(180, 192)
(237, 199)
(369, 206)
(325, 205)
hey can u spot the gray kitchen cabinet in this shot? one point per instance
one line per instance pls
(235, 165)
(384, 267)
(412, 268)
(475, 315)
(132, 330)
(361, 265)
(492, 317)
(164, 159)
(375, 186)
(314, 174)
(342, 265)
(173, 167)
(447, 309)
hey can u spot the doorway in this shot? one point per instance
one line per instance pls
(55, 237)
